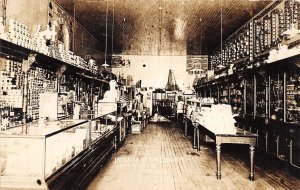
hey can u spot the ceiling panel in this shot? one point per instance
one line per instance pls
(162, 27)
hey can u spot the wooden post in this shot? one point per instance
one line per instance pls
(26, 66)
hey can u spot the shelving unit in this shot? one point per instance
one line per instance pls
(267, 85)
(45, 73)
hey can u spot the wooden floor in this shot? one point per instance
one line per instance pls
(162, 158)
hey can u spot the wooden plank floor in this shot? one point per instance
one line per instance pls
(162, 158)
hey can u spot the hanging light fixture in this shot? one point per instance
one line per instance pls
(105, 55)
(200, 36)
(123, 35)
(220, 66)
(112, 32)
(160, 26)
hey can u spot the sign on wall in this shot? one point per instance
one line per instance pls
(118, 61)
(197, 62)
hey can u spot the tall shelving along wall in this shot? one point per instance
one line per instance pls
(40, 54)
(262, 63)
(49, 77)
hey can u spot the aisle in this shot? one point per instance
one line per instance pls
(162, 158)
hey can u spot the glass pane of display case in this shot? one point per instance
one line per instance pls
(21, 161)
(293, 98)
(223, 94)
(236, 97)
(102, 125)
(214, 93)
(249, 96)
(46, 146)
(202, 92)
(276, 97)
(26, 156)
(207, 93)
(64, 146)
(261, 101)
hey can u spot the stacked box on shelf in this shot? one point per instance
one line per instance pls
(261, 36)
(288, 6)
(39, 81)
(234, 50)
(296, 14)
(256, 37)
(63, 53)
(292, 98)
(71, 58)
(3, 34)
(11, 83)
(247, 42)
(18, 33)
(243, 47)
(282, 26)
(238, 48)
(267, 32)
(275, 26)
(251, 40)
(54, 52)
(81, 62)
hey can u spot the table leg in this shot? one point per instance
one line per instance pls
(251, 175)
(218, 161)
(195, 136)
(185, 128)
(198, 139)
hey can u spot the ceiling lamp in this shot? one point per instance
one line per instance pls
(112, 32)
(220, 66)
(105, 55)
(123, 35)
(200, 37)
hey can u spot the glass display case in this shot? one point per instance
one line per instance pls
(236, 97)
(31, 153)
(261, 96)
(276, 97)
(223, 94)
(214, 93)
(293, 97)
(249, 84)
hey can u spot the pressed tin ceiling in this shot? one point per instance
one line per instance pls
(162, 27)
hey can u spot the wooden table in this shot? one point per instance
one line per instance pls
(240, 137)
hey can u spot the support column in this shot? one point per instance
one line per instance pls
(26, 66)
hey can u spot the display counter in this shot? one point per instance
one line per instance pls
(37, 155)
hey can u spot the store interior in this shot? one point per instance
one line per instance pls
(134, 94)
